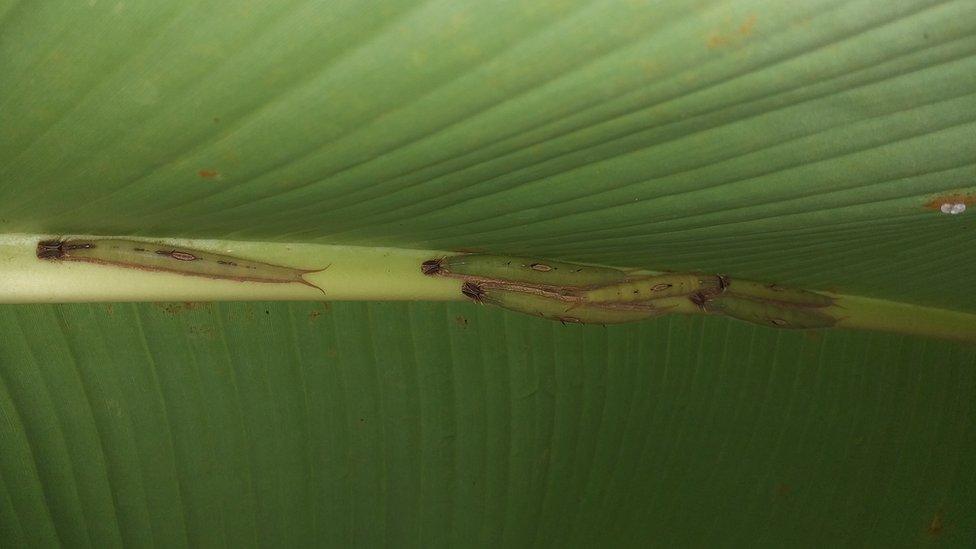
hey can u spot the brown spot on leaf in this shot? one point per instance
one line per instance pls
(731, 37)
(935, 527)
(716, 40)
(782, 490)
(317, 313)
(748, 25)
(461, 321)
(208, 174)
(177, 308)
(936, 203)
(205, 332)
(813, 335)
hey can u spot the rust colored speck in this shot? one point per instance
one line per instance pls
(208, 174)
(729, 37)
(748, 25)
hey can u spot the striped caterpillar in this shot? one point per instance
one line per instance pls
(150, 256)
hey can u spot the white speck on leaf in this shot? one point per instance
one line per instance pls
(953, 209)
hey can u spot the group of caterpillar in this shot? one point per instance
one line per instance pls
(566, 292)
(569, 292)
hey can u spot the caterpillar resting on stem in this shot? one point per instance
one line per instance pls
(576, 312)
(767, 313)
(150, 256)
(523, 269)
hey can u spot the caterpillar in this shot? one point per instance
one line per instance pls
(150, 256)
(658, 286)
(576, 312)
(773, 292)
(767, 313)
(522, 269)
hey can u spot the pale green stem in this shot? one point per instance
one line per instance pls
(353, 273)
(865, 313)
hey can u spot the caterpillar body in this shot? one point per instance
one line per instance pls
(766, 313)
(523, 269)
(774, 292)
(150, 256)
(576, 312)
(659, 286)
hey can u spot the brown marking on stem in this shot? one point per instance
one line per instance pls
(541, 267)
(569, 319)
(231, 263)
(659, 287)
(140, 249)
(779, 322)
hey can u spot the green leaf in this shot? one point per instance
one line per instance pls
(422, 424)
(807, 143)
